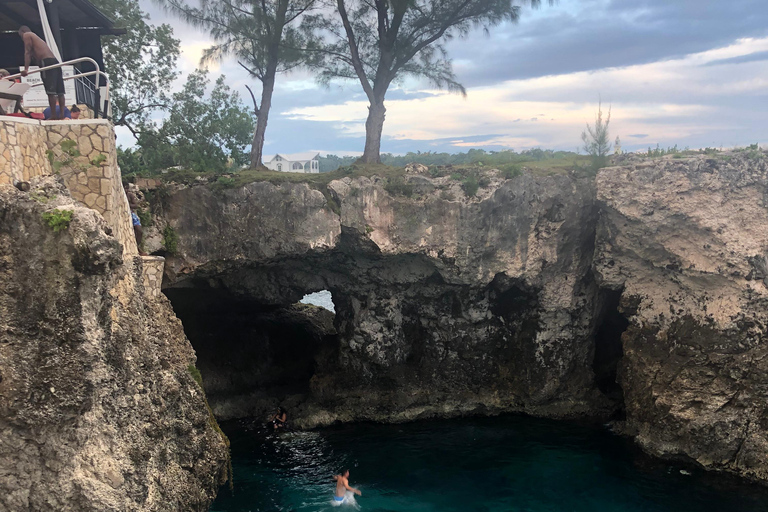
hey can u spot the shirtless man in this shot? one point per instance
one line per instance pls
(53, 79)
(342, 486)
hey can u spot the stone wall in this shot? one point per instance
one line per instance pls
(23, 144)
(89, 168)
(153, 274)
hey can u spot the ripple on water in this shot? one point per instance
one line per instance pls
(509, 463)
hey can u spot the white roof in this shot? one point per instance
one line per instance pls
(297, 157)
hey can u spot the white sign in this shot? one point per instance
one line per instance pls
(36, 97)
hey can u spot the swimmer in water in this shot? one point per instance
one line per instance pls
(342, 486)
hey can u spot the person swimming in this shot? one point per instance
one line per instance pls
(279, 419)
(342, 486)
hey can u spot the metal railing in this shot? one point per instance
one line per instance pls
(93, 91)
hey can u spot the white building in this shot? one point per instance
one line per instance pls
(297, 162)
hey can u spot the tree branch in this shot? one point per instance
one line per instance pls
(255, 105)
(353, 50)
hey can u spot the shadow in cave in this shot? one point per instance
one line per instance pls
(608, 347)
(252, 356)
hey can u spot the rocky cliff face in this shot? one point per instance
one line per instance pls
(98, 408)
(446, 304)
(685, 242)
(642, 291)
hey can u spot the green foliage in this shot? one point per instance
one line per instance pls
(99, 160)
(596, 139)
(204, 133)
(447, 195)
(195, 373)
(437, 162)
(368, 229)
(224, 182)
(263, 38)
(658, 151)
(141, 64)
(145, 216)
(57, 219)
(382, 42)
(470, 185)
(69, 147)
(510, 171)
(170, 239)
(398, 187)
(65, 156)
(40, 198)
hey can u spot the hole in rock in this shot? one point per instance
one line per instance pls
(608, 346)
(251, 355)
(323, 299)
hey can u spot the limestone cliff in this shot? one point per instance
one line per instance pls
(642, 291)
(98, 409)
(686, 242)
(446, 303)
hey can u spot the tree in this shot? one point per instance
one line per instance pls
(380, 41)
(141, 64)
(202, 133)
(262, 35)
(596, 139)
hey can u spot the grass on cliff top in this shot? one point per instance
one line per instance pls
(548, 167)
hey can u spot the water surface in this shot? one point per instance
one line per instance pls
(509, 463)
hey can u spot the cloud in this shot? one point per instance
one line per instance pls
(659, 64)
(589, 35)
(740, 59)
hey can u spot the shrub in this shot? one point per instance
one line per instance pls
(470, 185)
(397, 186)
(195, 373)
(57, 219)
(170, 239)
(596, 139)
(225, 182)
(447, 195)
(510, 171)
(145, 216)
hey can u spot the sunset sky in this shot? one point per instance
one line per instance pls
(687, 72)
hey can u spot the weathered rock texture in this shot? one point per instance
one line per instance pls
(444, 306)
(98, 409)
(686, 242)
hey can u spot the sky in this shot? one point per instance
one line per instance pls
(691, 73)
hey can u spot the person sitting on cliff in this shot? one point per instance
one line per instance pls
(133, 202)
(279, 419)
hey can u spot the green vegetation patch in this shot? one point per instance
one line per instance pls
(57, 219)
(170, 239)
(145, 216)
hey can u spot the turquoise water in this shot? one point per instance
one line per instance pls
(508, 463)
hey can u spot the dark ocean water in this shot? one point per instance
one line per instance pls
(508, 463)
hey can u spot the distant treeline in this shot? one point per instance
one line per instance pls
(473, 156)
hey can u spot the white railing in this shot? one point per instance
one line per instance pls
(97, 72)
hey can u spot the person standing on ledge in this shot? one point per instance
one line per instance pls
(53, 79)
(133, 202)
(342, 486)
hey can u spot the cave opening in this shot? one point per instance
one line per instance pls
(608, 346)
(253, 356)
